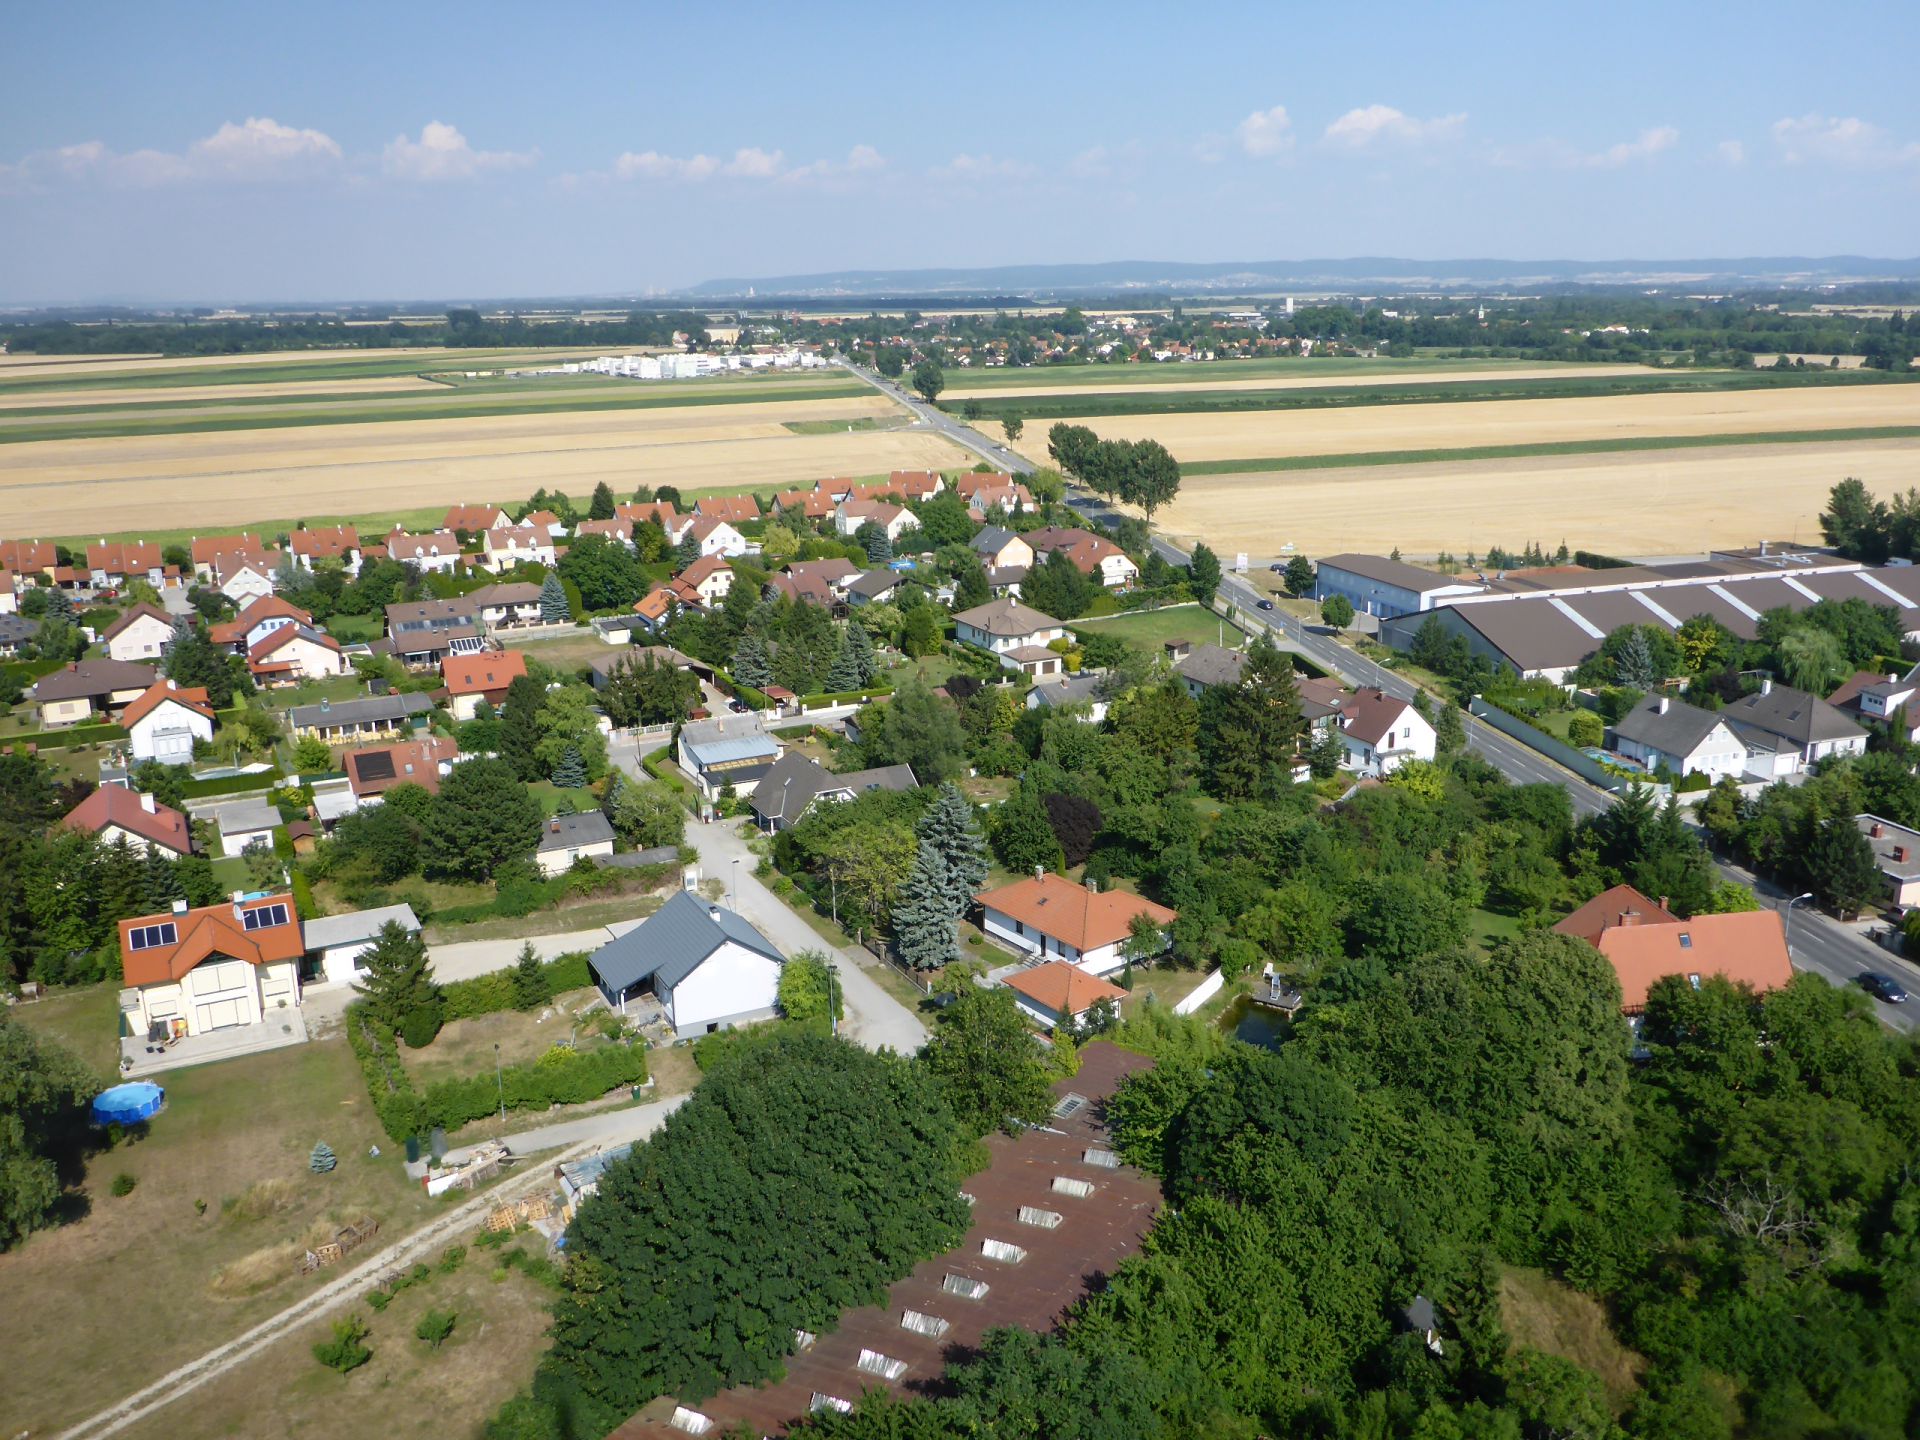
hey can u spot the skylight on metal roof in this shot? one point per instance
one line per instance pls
(691, 1421)
(1043, 1219)
(1002, 1251)
(823, 1401)
(1066, 1185)
(921, 1323)
(874, 1363)
(965, 1288)
(1105, 1159)
(1068, 1105)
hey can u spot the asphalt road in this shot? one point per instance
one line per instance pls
(1817, 942)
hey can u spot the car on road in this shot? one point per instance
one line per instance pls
(1883, 987)
(1279, 567)
(738, 707)
(1264, 604)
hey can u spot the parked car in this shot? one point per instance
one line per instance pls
(1883, 987)
(1279, 567)
(1264, 604)
(738, 707)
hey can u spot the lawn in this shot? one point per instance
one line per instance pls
(158, 1278)
(467, 1047)
(85, 1020)
(348, 629)
(1485, 926)
(550, 795)
(565, 653)
(1167, 985)
(563, 919)
(406, 1388)
(1151, 629)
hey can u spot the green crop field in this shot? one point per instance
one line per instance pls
(1035, 409)
(375, 365)
(1213, 372)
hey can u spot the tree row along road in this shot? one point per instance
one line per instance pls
(1819, 943)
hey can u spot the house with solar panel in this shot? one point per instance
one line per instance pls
(190, 972)
(697, 966)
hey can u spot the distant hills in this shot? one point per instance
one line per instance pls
(1256, 277)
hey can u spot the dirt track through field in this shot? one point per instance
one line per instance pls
(1653, 502)
(1247, 435)
(1194, 377)
(65, 487)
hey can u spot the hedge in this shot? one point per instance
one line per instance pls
(69, 738)
(486, 994)
(655, 766)
(560, 1077)
(845, 697)
(230, 784)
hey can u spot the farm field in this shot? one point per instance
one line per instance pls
(175, 482)
(1440, 426)
(19, 398)
(1276, 374)
(1642, 503)
(150, 1277)
(102, 371)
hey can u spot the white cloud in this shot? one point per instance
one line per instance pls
(861, 160)
(1646, 144)
(984, 167)
(750, 162)
(1093, 164)
(1731, 152)
(1830, 140)
(256, 149)
(1266, 132)
(442, 153)
(1382, 124)
(753, 164)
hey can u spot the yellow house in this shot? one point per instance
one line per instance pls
(87, 688)
(195, 971)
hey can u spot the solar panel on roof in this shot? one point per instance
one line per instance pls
(377, 766)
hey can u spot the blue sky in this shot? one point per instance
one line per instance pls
(227, 153)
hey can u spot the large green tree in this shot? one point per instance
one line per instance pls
(483, 817)
(399, 981)
(987, 1059)
(44, 1089)
(1250, 733)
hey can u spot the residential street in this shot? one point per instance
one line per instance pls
(615, 1127)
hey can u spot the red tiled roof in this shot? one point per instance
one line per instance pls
(1370, 713)
(128, 557)
(487, 673)
(374, 769)
(265, 608)
(285, 634)
(115, 805)
(1083, 918)
(1062, 988)
(1748, 947)
(206, 549)
(193, 697)
(1622, 905)
(210, 930)
(473, 518)
(732, 508)
(325, 542)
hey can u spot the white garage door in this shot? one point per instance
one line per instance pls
(219, 1015)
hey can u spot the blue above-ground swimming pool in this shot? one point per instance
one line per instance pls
(128, 1104)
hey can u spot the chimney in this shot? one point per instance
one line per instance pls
(1629, 918)
(1663, 902)
(1892, 679)
(1874, 830)
(179, 907)
(1664, 703)
(1039, 872)
(147, 802)
(1093, 886)
(1900, 852)
(556, 827)
(1766, 685)
(713, 912)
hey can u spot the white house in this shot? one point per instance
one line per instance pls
(895, 520)
(518, 544)
(165, 720)
(1018, 634)
(730, 752)
(246, 825)
(1087, 689)
(1686, 739)
(716, 537)
(257, 621)
(1795, 724)
(328, 542)
(567, 838)
(1056, 991)
(336, 943)
(709, 577)
(247, 581)
(189, 972)
(437, 553)
(704, 966)
(292, 653)
(1381, 733)
(143, 633)
(1051, 917)
(115, 813)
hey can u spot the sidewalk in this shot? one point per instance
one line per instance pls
(615, 1127)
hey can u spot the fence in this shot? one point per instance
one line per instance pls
(1583, 765)
(1202, 993)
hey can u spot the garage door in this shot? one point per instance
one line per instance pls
(219, 1015)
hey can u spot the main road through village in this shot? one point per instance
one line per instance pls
(1838, 952)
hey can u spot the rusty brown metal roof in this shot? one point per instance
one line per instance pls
(1063, 1263)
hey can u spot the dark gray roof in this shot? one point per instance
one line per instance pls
(1890, 838)
(17, 629)
(872, 583)
(86, 678)
(1213, 665)
(1532, 633)
(670, 944)
(1793, 715)
(566, 832)
(436, 614)
(639, 859)
(1384, 571)
(795, 781)
(1678, 731)
(1081, 689)
(359, 712)
(989, 539)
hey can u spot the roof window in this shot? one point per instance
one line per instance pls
(1068, 1105)
(931, 1326)
(691, 1421)
(1043, 1219)
(964, 1287)
(823, 1401)
(874, 1363)
(1104, 1159)
(1002, 1251)
(1066, 1185)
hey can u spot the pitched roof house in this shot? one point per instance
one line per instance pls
(1645, 943)
(567, 838)
(482, 676)
(998, 546)
(325, 542)
(372, 770)
(1381, 732)
(1018, 634)
(85, 687)
(114, 812)
(255, 620)
(706, 967)
(435, 553)
(817, 582)
(288, 654)
(144, 632)
(1050, 916)
(1796, 721)
(1091, 554)
(735, 509)
(476, 519)
(1058, 991)
(191, 972)
(164, 720)
(797, 782)
(1661, 730)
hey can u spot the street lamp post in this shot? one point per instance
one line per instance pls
(736, 883)
(1789, 908)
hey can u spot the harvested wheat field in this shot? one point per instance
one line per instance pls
(60, 487)
(1159, 379)
(182, 394)
(1650, 502)
(1246, 435)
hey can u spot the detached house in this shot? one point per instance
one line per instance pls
(246, 576)
(813, 504)
(816, 582)
(656, 512)
(894, 520)
(998, 547)
(256, 622)
(89, 688)
(728, 753)
(703, 966)
(1896, 851)
(1057, 991)
(292, 653)
(434, 554)
(112, 565)
(363, 719)
(516, 545)
(1799, 727)
(144, 633)
(614, 529)
(425, 632)
(797, 783)
(1645, 943)
(715, 537)
(1018, 634)
(164, 721)
(1055, 919)
(372, 770)
(709, 579)
(329, 542)
(1093, 555)
(486, 675)
(190, 972)
(1686, 739)
(567, 838)
(1380, 733)
(1881, 698)
(734, 509)
(476, 519)
(115, 813)
(509, 606)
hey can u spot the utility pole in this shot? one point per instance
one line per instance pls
(499, 1083)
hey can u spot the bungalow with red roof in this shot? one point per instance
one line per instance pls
(1645, 943)
(484, 676)
(191, 972)
(1050, 916)
(289, 654)
(144, 632)
(1056, 991)
(372, 770)
(164, 720)
(115, 813)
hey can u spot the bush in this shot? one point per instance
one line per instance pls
(379, 1300)
(434, 1327)
(1585, 729)
(452, 1258)
(420, 1026)
(123, 1184)
(345, 1351)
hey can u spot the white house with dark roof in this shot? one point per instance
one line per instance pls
(1661, 730)
(798, 782)
(1382, 732)
(1794, 723)
(1018, 635)
(1896, 852)
(728, 752)
(704, 966)
(567, 838)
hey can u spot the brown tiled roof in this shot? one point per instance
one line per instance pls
(1748, 947)
(1062, 988)
(115, 805)
(1085, 919)
(210, 930)
(194, 697)
(483, 674)
(136, 612)
(1621, 905)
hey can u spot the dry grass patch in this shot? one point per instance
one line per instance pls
(466, 1047)
(240, 476)
(1543, 1314)
(1247, 434)
(1653, 502)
